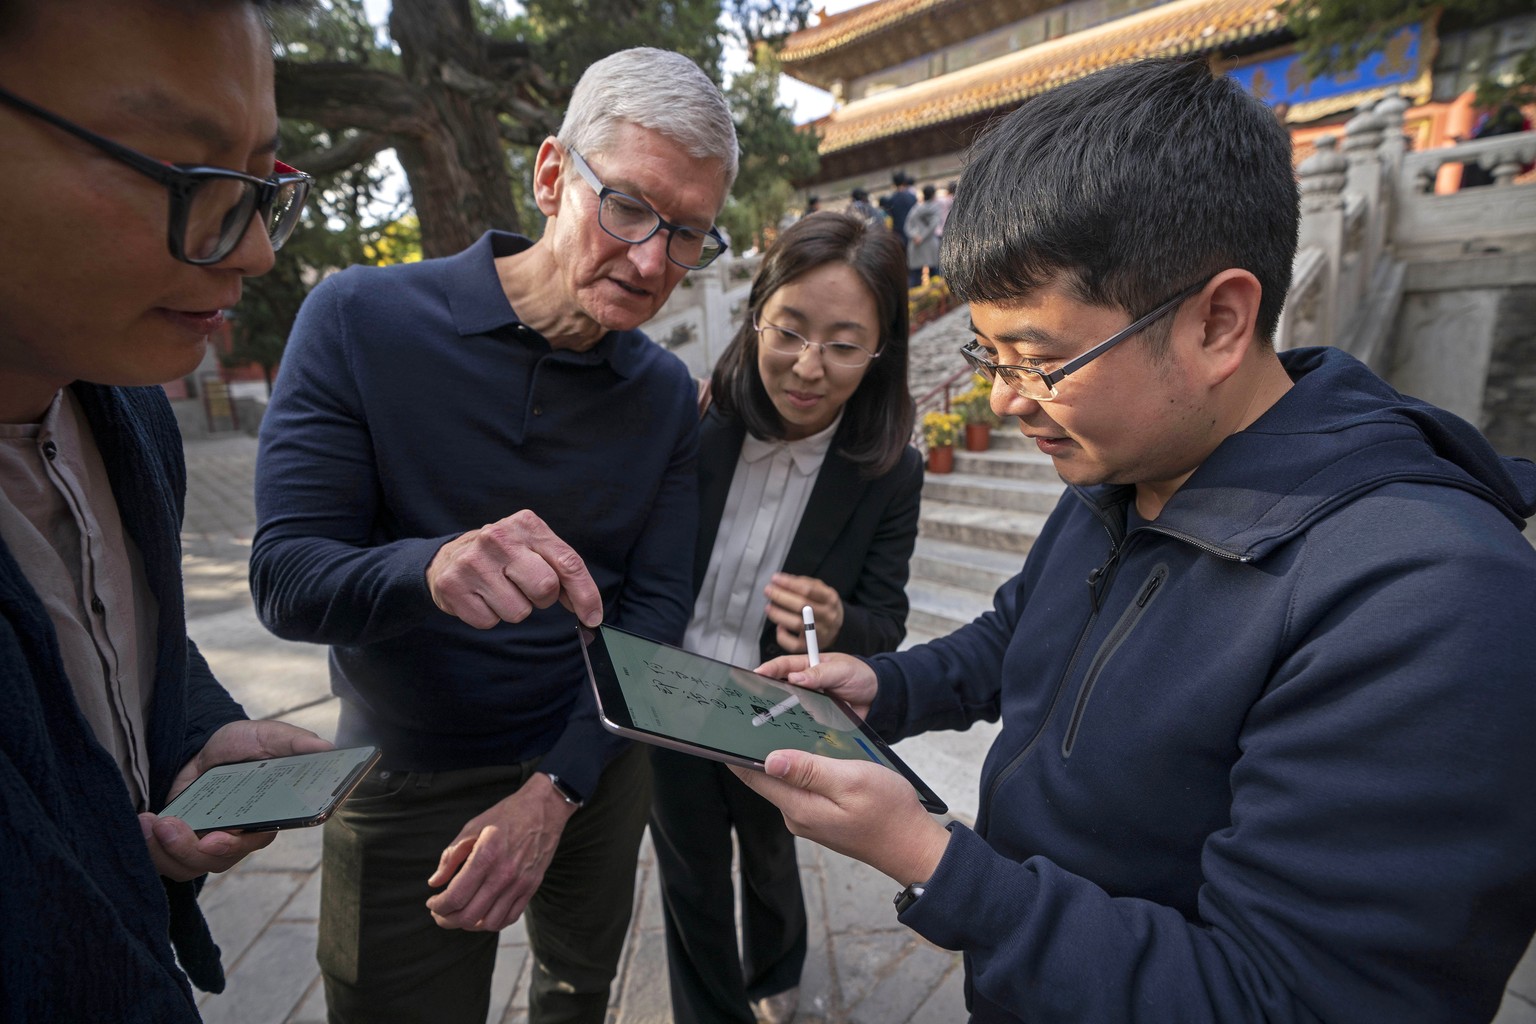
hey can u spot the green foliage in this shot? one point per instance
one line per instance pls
(569, 35)
(1336, 35)
(335, 30)
(346, 221)
(773, 153)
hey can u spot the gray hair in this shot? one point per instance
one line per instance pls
(653, 89)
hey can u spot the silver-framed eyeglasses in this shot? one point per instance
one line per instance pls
(210, 207)
(634, 221)
(784, 342)
(1040, 386)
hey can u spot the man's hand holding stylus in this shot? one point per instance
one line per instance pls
(839, 675)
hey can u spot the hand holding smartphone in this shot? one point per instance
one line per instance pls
(277, 793)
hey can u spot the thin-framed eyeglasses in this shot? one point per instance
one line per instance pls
(1040, 386)
(785, 342)
(210, 207)
(634, 221)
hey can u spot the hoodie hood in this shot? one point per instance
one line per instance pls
(1340, 432)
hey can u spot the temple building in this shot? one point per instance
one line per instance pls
(914, 80)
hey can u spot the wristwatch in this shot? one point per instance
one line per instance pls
(567, 794)
(908, 896)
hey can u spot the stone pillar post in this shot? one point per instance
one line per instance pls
(717, 317)
(1362, 138)
(1394, 146)
(1322, 227)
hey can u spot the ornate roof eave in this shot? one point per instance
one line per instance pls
(1183, 27)
(886, 33)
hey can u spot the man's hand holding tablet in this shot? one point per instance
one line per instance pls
(855, 808)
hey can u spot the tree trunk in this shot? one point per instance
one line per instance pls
(456, 163)
(441, 116)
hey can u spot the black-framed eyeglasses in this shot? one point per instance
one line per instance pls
(1038, 385)
(785, 342)
(210, 207)
(634, 221)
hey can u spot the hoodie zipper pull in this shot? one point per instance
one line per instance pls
(1098, 574)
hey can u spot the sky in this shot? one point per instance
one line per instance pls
(807, 102)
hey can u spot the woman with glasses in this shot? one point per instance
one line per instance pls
(808, 496)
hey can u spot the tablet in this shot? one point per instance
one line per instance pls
(657, 693)
(280, 792)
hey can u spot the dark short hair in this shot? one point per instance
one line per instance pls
(860, 195)
(1129, 185)
(929, 191)
(877, 421)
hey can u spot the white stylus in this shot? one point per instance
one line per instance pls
(809, 618)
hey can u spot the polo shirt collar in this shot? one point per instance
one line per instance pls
(479, 305)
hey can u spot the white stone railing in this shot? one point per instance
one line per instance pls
(1367, 205)
(1502, 156)
(704, 311)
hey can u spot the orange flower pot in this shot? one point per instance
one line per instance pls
(941, 460)
(978, 437)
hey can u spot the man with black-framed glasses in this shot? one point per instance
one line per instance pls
(463, 457)
(138, 186)
(1265, 679)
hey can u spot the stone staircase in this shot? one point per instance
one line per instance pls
(977, 524)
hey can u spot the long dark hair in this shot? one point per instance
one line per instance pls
(877, 420)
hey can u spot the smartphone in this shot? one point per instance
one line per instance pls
(657, 693)
(280, 792)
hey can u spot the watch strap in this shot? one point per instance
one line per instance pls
(567, 794)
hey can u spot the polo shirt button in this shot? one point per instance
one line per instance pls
(50, 450)
(538, 410)
(97, 606)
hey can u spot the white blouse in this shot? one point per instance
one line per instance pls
(768, 495)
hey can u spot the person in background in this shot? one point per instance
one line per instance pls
(141, 187)
(1505, 119)
(859, 206)
(1265, 677)
(901, 202)
(946, 199)
(812, 205)
(463, 458)
(808, 495)
(923, 237)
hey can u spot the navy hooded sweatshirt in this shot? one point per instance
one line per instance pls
(1275, 762)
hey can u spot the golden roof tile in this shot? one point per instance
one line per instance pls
(1186, 26)
(836, 29)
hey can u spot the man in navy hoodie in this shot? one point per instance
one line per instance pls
(1266, 678)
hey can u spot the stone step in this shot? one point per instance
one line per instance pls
(991, 529)
(960, 565)
(1001, 492)
(939, 609)
(1017, 463)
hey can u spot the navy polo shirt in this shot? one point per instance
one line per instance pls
(412, 406)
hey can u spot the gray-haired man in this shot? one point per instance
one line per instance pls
(459, 455)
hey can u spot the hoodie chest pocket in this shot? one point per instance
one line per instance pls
(1124, 626)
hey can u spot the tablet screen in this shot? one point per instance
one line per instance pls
(276, 792)
(668, 692)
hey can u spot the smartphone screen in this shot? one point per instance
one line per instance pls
(280, 792)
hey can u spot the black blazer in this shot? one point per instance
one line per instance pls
(856, 535)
